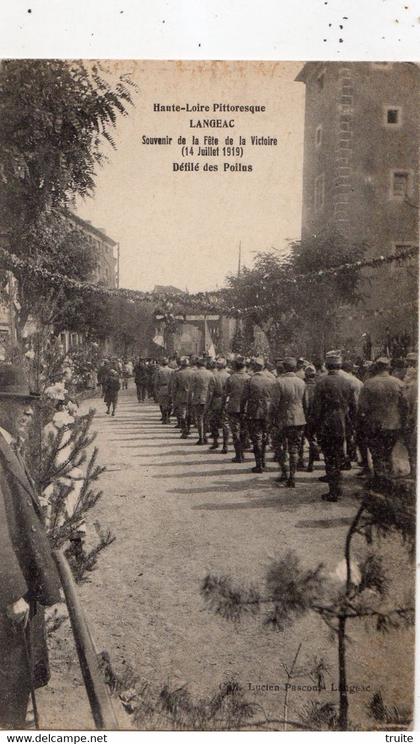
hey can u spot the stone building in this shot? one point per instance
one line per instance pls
(105, 272)
(360, 177)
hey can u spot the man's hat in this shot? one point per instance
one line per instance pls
(221, 360)
(13, 383)
(239, 360)
(184, 361)
(310, 369)
(164, 360)
(290, 361)
(411, 356)
(258, 361)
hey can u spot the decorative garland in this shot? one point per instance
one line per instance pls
(205, 302)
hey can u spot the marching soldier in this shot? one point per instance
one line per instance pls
(288, 414)
(347, 369)
(141, 379)
(333, 404)
(256, 401)
(382, 415)
(162, 392)
(199, 397)
(217, 415)
(181, 387)
(310, 382)
(232, 398)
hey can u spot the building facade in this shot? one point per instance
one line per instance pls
(106, 272)
(360, 178)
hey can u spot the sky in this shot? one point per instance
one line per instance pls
(184, 228)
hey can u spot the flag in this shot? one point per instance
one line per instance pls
(158, 340)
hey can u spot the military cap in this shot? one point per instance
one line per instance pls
(385, 361)
(334, 356)
(164, 360)
(184, 361)
(411, 356)
(290, 361)
(310, 369)
(240, 360)
(221, 360)
(258, 361)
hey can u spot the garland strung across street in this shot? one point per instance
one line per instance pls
(216, 302)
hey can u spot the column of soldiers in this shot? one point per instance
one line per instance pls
(334, 408)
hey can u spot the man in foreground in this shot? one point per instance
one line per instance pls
(28, 578)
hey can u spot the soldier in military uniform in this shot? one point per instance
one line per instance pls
(289, 417)
(217, 416)
(199, 397)
(333, 404)
(162, 389)
(256, 402)
(232, 398)
(310, 383)
(382, 415)
(181, 387)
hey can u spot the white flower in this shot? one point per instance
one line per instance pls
(30, 354)
(56, 391)
(62, 418)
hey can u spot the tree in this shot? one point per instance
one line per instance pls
(358, 591)
(294, 310)
(64, 472)
(265, 296)
(320, 298)
(57, 116)
(133, 326)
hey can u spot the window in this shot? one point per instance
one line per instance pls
(392, 116)
(400, 184)
(320, 81)
(319, 193)
(318, 135)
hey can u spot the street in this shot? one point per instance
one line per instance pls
(178, 512)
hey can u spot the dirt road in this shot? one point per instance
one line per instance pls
(178, 512)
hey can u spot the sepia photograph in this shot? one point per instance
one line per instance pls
(208, 394)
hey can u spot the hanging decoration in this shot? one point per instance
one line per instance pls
(216, 302)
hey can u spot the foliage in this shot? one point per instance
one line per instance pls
(360, 593)
(57, 116)
(272, 295)
(133, 326)
(392, 716)
(63, 462)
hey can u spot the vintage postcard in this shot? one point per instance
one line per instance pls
(208, 394)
